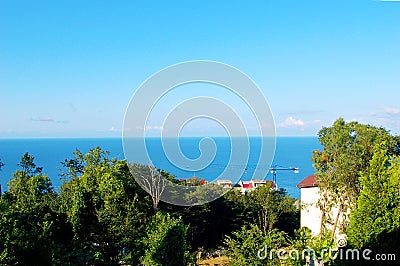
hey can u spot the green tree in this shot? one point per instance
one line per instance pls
(106, 208)
(28, 166)
(1, 166)
(301, 241)
(347, 151)
(203, 193)
(29, 227)
(375, 223)
(266, 205)
(74, 166)
(262, 211)
(207, 223)
(250, 246)
(165, 241)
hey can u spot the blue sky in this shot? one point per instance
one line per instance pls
(69, 69)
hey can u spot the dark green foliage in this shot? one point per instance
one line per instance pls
(98, 218)
(164, 242)
(249, 246)
(101, 216)
(348, 148)
(208, 223)
(266, 207)
(28, 166)
(31, 231)
(375, 224)
(264, 212)
(1, 166)
(358, 170)
(106, 209)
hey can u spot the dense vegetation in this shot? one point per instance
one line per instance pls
(358, 172)
(101, 216)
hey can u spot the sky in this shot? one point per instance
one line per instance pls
(70, 68)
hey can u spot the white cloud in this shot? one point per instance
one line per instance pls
(43, 119)
(47, 120)
(392, 110)
(292, 122)
(152, 128)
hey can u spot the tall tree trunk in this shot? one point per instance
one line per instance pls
(338, 215)
(322, 216)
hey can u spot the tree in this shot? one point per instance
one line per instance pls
(1, 166)
(249, 246)
(266, 205)
(155, 184)
(347, 151)
(106, 208)
(28, 166)
(74, 166)
(375, 223)
(151, 179)
(99, 217)
(207, 223)
(165, 241)
(202, 193)
(29, 227)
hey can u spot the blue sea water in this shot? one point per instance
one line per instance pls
(49, 153)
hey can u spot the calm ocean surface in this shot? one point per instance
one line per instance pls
(49, 153)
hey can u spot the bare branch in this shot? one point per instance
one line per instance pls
(154, 183)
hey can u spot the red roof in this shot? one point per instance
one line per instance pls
(247, 185)
(309, 181)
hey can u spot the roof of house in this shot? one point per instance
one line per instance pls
(309, 181)
(247, 185)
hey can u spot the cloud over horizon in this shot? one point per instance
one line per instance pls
(47, 120)
(392, 110)
(291, 122)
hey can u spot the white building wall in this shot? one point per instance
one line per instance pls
(310, 215)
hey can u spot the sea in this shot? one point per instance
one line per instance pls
(290, 152)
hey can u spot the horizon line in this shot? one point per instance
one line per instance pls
(155, 137)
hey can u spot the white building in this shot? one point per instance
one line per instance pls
(246, 186)
(224, 183)
(311, 214)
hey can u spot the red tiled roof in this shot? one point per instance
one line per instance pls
(309, 181)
